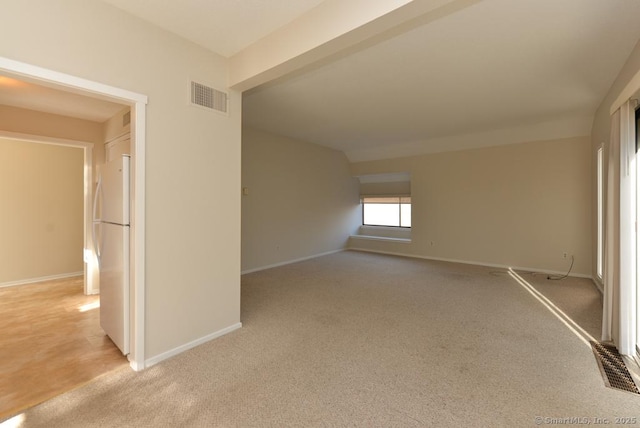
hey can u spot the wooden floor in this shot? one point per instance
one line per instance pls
(50, 342)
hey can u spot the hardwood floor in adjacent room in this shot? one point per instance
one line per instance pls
(50, 342)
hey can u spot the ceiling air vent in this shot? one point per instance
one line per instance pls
(207, 97)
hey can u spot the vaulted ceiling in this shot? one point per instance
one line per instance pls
(222, 26)
(490, 72)
(496, 72)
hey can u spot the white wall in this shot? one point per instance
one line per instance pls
(192, 162)
(41, 220)
(519, 205)
(302, 200)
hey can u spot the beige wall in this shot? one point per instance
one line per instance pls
(600, 135)
(520, 205)
(192, 159)
(42, 124)
(41, 220)
(113, 128)
(31, 122)
(384, 188)
(302, 200)
(45, 126)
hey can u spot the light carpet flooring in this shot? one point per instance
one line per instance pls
(358, 339)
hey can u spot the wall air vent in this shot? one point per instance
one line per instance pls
(207, 97)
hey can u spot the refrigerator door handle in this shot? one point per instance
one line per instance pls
(95, 199)
(96, 245)
(96, 221)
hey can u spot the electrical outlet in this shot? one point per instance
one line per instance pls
(564, 255)
(433, 243)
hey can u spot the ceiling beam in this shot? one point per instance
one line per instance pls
(330, 29)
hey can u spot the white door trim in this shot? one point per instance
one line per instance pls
(138, 103)
(628, 259)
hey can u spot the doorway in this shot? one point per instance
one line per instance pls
(137, 102)
(39, 176)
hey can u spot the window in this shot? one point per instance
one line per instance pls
(394, 211)
(600, 219)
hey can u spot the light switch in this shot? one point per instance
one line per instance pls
(245, 191)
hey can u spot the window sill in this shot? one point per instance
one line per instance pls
(376, 227)
(380, 238)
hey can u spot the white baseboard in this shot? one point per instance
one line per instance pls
(381, 238)
(288, 262)
(598, 284)
(40, 279)
(175, 351)
(466, 262)
(136, 366)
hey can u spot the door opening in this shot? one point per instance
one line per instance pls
(72, 84)
(90, 286)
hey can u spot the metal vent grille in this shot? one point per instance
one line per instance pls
(126, 119)
(614, 371)
(205, 96)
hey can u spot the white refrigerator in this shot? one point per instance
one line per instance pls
(111, 245)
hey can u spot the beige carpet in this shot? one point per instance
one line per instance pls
(357, 339)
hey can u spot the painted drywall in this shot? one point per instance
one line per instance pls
(327, 29)
(30, 122)
(301, 201)
(384, 188)
(520, 205)
(41, 220)
(600, 135)
(192, 155)
(114, 127)
(47, 126)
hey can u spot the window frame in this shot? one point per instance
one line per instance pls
(399, 203)
(600, 211)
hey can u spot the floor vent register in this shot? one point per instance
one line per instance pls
(613, 369)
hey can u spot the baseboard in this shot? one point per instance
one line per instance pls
(288, 262)
(598, 285)
(381, 238)
(40, 279)
(180, 349)
(466, 262)
(136, 366)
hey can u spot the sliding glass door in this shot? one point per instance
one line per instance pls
(637, 138)
(600, 213)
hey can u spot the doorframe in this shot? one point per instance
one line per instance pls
(87, 149)
(636, 125)
(138, 103)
